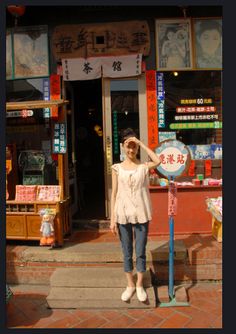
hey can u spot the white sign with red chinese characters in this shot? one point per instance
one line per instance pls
(174, 156)
(172, 199)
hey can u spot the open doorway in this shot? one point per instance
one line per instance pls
(89, 148)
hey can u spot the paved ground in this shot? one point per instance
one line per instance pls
(28, 309)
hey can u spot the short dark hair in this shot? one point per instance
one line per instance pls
(126, 133)
(209, 25)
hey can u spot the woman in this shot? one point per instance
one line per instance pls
(174, 49)
(131, 209)
(209, 44)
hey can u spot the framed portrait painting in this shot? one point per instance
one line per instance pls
(31, 52)
(173, 44)
(9, 69)
(208, 43)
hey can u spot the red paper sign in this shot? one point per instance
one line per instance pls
(191, 170)
(152, 109)
(208, 166)
(55, 92)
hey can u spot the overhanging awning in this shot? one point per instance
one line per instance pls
(34, 104)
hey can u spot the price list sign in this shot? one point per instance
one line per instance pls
(59, 138)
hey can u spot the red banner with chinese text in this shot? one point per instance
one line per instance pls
(55, 92)
(152, 109)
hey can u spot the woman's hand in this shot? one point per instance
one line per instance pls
(133, 140)
(113, 228)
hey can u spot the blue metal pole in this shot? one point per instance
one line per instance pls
(171, 258)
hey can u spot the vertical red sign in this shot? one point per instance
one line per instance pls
(172, 199)
(55, 92)
(152, 108)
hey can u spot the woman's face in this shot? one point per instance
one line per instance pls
(130, 149)
(210, 41)
(170, 35)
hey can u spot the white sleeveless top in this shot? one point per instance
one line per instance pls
(132, 204)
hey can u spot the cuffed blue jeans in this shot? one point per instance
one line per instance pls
(140, 233)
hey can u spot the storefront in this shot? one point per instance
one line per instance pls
(159, 96)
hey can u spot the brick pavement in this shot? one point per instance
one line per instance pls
(28, 309)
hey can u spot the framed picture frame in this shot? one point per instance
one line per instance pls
(9, 55)
(173, 44)
(207, 34)
(31, 56)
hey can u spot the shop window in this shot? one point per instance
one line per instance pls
(193, 106)
(30, 134)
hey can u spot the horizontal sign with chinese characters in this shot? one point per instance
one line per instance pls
(174, 156)
(196, 109)
(20, 113)
(95, 67)
(59, 138)
(196, 101)
(101, 39)
(167, 135)
(204, 125)
(195, 117)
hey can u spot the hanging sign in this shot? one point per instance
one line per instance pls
(108, 67)
(59, 138)
(152, 108)
(121, 66)
(174, 156)
(81, 69)
(100, 39)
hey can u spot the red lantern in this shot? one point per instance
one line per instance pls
(16, 10)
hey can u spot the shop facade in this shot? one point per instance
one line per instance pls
(103, 74)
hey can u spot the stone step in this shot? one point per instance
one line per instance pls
(101, 252)
(98, 287)
(109, 298)
(91, 224)
(99, 277)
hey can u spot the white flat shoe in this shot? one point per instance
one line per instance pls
(127, 294)
(141, 294)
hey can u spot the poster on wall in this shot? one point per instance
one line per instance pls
(173, 44)
(9, 69)
(31, 52)
(202, 152)
(208, 43)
